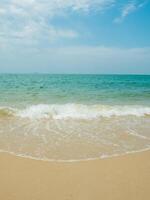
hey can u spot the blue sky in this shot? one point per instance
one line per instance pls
(75, 36)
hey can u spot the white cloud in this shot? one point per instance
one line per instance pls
(2, 11)
(62, 4)
(79, 59)
(129, 8)
(29, 21)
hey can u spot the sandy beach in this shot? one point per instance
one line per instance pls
(125, 177)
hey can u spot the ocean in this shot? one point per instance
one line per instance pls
(74, 117)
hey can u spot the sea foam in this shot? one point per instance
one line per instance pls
(75, 111)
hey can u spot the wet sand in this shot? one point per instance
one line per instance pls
(120, 178)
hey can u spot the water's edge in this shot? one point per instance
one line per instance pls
(75, 161)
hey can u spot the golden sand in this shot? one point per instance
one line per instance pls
(120, 178)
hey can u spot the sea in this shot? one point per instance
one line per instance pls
(68, 118)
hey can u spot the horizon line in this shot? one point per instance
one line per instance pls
(49, 73)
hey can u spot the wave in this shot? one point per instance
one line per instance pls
(74, 111)
(7, 111)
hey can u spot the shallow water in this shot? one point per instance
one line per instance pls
(74, 117)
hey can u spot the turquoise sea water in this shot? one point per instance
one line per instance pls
(74, 117)
(21, 90)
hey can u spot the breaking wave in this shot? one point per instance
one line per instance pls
(74, 111)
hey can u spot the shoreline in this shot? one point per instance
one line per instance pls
(104, 157)
(123, 177)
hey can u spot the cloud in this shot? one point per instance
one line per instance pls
(129, 8)
(30, 21)
(79, 59)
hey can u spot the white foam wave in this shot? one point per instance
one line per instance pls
(79, 111)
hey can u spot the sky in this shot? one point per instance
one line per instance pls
(75, 36)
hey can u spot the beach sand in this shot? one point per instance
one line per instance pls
(119, 178)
